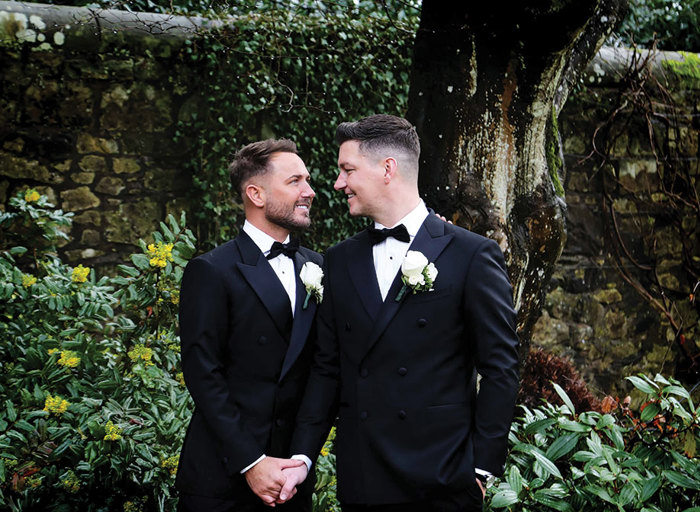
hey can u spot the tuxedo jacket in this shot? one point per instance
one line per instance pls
(401, 376)
(245, 360)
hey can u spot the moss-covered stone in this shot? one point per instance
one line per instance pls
(608, 296)
(90, 237)
(132, 221)
(91, 217)
(89, 144)
(93, 163)
(77, 199)
(16, 167)
(111, 186)
(126, 165)
(84, 178)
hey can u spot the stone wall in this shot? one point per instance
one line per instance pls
(622, 297)
(89, 109)
(88, 112)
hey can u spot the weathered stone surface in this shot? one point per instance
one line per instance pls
(16, 167)
(77, 199)
(132, 221)
(111, 186)
(93, 163)
(90, 237)
(84, 178)
(14, 145)
(609, 296)
(125, 165)
(89, 144)
(90, 217)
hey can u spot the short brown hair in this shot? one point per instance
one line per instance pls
(380, 131)
(252, 160)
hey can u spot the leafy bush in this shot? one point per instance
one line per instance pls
(619, 460)
(672, 23)
(93, 404)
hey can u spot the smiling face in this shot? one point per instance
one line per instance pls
(361, 179)
(288, 195)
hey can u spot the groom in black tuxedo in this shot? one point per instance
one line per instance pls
(244, 324)
(415, 431)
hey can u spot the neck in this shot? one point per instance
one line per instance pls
(277, 232)
(396, 210)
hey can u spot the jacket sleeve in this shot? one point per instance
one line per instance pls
(320, 404)
(204, 307)
(491, 327)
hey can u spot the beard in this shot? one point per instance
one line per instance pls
(287, 217)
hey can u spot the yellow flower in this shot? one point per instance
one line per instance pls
(160, 254)
(175, 297)
(171, 463)
(28, 280)
(324, 452)
(56, 404)
(71, 482)
(69, 359)
(31, 195)
(141, 352)
(80, 274)
(112, 432)
(52, 351)
(180, 378)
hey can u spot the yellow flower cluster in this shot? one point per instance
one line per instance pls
(160, 254)
(71, 482)
(141, 352)
(80, 274)
(31, 195)
(329, 442)
(171, 464)
(28, 280)
(180, 377)
(112, 432)
(52, 351)
(69, 359)
(56, 404)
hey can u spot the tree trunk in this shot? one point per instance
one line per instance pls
(488, 82)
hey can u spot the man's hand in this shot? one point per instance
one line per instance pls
(266, 478)
(295, 476)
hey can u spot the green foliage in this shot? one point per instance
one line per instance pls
(620, 460)
(324, 498)
(282, 74)
(673, 23)
(94, 408)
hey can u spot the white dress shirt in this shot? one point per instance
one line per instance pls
(389, 254)
(281, 264)
(284, 269)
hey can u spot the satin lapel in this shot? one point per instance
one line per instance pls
(262, 279)
(303, 318)
(363, 275)
(431, 241)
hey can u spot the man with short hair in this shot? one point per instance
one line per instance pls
(414, 309)
(244, 324)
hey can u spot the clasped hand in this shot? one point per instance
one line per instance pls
(274, 480)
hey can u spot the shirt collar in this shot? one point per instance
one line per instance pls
(413, 220)
(261, 239)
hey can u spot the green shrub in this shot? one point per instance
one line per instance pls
(92, 405)
(622, 460)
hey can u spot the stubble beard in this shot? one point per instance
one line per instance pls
(286, 218)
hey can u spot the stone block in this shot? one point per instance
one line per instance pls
(125, 165)
(15, 145)
(83, 178)
(91, 217)
(93, 163)
(90, 237)
(111, 186)
(166, 180)
(120, 69)
(49, 192)
(77, 199)
(22, 168)
(63, 166)
(90, 144)
(609, 296)
(132, 221)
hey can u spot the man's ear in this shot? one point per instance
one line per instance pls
(390, 169)
(255, 194)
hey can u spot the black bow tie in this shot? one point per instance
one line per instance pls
(379, 235)
(287, 249)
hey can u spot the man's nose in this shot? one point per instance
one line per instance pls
(340, 182)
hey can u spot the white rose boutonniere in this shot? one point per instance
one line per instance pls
(417, 273)
(312, 277)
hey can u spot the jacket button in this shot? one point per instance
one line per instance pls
(422, 322)
(262, 340)
(363, 415)
(402, 414)
(347, 326)
(403, 371)
(364, 372)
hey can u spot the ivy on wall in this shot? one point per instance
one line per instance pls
(285, 75)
